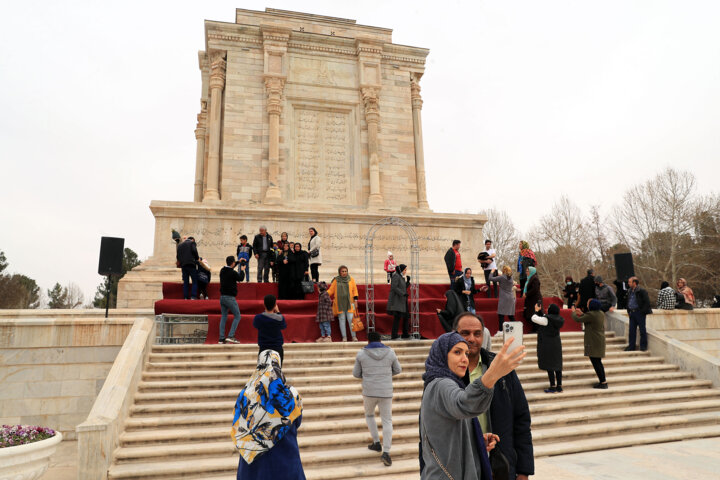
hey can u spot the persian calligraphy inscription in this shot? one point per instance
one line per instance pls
(322, 155)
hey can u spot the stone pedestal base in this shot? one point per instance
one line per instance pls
(216, 229)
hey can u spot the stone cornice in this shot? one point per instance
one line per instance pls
(235, 38)
(229, 210)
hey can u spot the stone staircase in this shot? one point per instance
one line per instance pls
(180, 421)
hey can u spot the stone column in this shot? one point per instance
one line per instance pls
(200, 152)
(217, 85)
(274, 87)
(417, 135)
(372, 117)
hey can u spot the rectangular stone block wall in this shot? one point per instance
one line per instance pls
(53, 367)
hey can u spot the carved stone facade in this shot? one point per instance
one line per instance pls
(305, 116)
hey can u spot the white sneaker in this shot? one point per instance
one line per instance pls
(231, 340)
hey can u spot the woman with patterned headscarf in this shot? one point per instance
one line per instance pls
(685, 291)
(526, 259)
(452, 442)
(268, 413)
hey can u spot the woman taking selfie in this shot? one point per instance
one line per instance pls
(452, 443)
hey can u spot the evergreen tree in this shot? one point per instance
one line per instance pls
(130, 261)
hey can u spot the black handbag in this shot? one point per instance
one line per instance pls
(314, 253)
(307, 285)
(499, 465)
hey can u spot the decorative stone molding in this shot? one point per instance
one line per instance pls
(274, 87)
(235, 38)
(370, 97)
(218, 67)
(415, 97)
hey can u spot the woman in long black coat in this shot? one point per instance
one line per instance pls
(549, 345)
(284, 270)
(532, 296)
(465, 288)
(300, 268)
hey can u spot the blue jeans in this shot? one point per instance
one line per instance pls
(245, 268)
(345, 317)
(637, 320)
(228, 302)
(190, 272)
(324, 329)
(454, 276)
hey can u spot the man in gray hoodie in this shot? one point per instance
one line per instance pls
(376, 364)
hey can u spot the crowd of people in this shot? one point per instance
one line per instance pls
(285, 262)
(474, 420)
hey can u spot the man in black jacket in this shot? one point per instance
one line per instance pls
(638, 307)
(262, 246)
(453, 262)
(187, 257)
(509, 414)
(586, 290)
(229, 279)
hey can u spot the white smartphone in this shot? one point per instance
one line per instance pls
(514, 330)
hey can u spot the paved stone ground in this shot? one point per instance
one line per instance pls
(693, 459)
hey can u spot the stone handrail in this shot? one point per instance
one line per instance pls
(687, 357)
(98, 435)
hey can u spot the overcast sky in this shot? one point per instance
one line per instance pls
(524, 101)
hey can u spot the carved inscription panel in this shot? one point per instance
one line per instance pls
(322, 156)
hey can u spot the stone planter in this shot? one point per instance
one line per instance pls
(29, 461)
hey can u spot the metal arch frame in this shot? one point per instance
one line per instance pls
(414, 268)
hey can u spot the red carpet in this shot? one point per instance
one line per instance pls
(300, 314)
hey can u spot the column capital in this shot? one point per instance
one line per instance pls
(218, 66)
(274, 86)
(415, 96)
(370, 97)
(200, 129)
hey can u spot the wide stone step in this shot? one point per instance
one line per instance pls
(224, 419)
(238, 382)
(597, 413)
(570, 362)
(310, 390)
(184, 374)
(598, 442)
(225, 464)
(541, 403)
(591, 409)
(620, 425)
(223, 445)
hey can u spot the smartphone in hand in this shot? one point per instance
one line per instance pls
(514, 330)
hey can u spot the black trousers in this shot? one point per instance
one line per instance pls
(405, 326)
(263, 266)
(553, 375)
(599, 369)
(314, 273)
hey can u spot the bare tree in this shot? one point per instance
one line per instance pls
(74, 297)
(657, 221)
(505, 237)
(563, 245)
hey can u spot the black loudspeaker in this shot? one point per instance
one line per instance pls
(111, 256)
(624, 266)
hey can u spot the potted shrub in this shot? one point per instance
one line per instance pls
(25, 451)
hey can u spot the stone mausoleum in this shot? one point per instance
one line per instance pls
(306, 120)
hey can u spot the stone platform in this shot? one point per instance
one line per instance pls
(216, 229)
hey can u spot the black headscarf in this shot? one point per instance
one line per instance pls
(436, 365)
